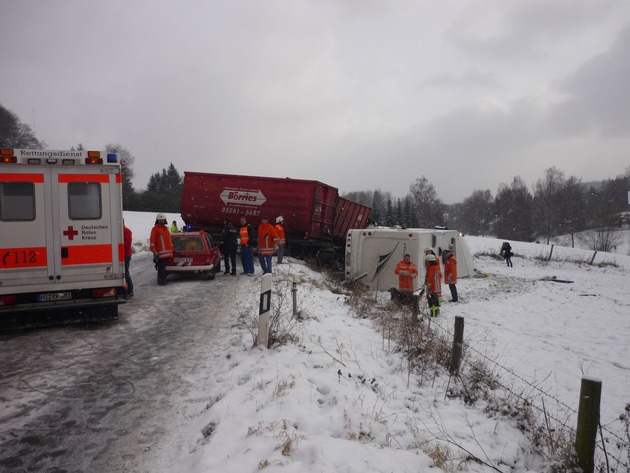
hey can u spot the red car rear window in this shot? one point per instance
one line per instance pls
(188, 243)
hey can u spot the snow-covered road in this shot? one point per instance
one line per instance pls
(100, 398)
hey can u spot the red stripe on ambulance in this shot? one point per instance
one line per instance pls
(23, 257)
(88, 254)
(36, 178)
(65, 178)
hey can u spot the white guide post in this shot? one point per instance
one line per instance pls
(265, 306)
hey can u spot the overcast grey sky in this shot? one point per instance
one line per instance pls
(359, 94)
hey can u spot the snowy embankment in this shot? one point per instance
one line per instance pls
(338, 396)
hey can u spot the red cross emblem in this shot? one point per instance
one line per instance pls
(70, 233)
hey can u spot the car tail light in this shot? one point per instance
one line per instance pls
(8, 300)
(104, 292)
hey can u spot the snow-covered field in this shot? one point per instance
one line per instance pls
(338, 398)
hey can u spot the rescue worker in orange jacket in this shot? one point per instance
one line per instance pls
(433, 281)
(450, 273)
(281, 239)
(246, 237)
(267, 243)
(161, 246)
(429, 251)
(407, 272)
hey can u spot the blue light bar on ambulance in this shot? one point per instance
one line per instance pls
(112, 157)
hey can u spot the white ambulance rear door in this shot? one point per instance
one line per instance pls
(89, 233)
(25, 222)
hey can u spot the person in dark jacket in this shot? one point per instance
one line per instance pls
(506, 252)
(228, 246)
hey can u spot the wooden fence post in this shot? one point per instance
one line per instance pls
(587, 422)
(263, 313)
(415, 308)
(550, 253)
(294, 293)
(593, 258)
(458, 346)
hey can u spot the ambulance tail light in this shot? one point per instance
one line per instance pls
(103, 292)
(8, 160)
(8, 300)
(7, 156)
(94, 157)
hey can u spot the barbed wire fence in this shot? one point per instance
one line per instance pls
(622, 444)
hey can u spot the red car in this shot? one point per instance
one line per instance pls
(195, 253)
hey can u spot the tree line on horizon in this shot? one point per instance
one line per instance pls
(557, 205)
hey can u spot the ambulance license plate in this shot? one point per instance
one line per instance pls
(182, 260)
(55, 296)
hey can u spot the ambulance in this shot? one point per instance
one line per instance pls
(61, 232)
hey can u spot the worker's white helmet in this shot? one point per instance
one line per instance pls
(279, 219)
(428, 248)
(160, 217)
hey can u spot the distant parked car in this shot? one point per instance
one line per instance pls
(195, 253)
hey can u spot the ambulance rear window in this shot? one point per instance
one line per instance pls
(84, 201)
(17, 201)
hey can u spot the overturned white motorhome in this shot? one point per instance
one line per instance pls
(372, 254)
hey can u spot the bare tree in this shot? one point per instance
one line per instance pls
(379, 207)
(601, 239)
(14, 133)
(513, 211)
(476, 213)
(572, 208)
(428, 207)
(130, 197)
(361, 197)
(548, 202)
(377, 200)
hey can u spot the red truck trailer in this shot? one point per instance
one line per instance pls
(316, 219)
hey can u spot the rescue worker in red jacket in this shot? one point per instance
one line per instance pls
(433, 282)
(281, 239)
(128, 238)
(162, 247)
(407, 272)
(267, 243)
(450, 273)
